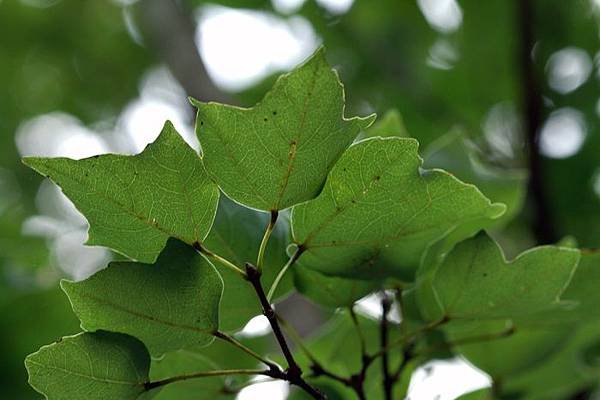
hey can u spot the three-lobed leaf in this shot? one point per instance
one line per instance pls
(135, 203)
(170, 305)
(92, 366)
(378, 211)
(474, 281)
(279, 152)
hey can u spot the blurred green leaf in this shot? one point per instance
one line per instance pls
(20, 334)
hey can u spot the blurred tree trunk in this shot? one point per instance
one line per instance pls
(171, 32)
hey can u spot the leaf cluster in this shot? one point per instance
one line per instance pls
(293, 195)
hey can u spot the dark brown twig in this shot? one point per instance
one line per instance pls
(388, 382)
(293, 374)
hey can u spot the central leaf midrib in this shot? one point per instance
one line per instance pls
(122, 207)
(142, 315)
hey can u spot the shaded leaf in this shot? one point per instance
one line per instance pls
(564, 374)
(330, 291)
(100, 365)
(170, 305)
(475, 281)
(279, 152)
(378, 211)
(135, 203)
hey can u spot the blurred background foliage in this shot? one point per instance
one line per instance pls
(476, 82)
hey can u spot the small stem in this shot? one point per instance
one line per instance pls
(219, 259)
(388, 382)
(280, 275)
(265, 240)
(294, 373)
(206, 374)
(229, 339)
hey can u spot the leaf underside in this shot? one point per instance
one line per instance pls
(378, 211)
(279, 152)
(474, 281)
(135, 203)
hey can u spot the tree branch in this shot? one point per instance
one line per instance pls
(543, 223)
(294, 373)
(171, 32)
(388, 381)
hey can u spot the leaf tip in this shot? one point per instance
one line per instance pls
(368, 120)
(496, 210)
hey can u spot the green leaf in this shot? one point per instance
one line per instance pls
(185, 362)
(378, 211)
(279, 152)
(135, 203)
(91, 366)
(170, 305)
(331, 291)
(236, 235)
(474, 281)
